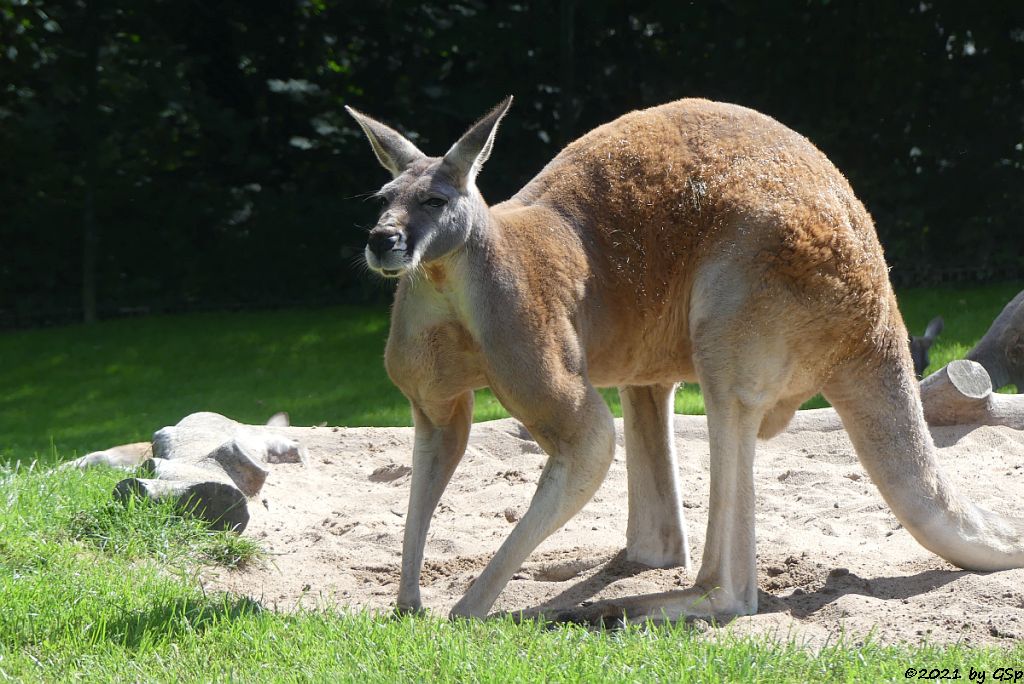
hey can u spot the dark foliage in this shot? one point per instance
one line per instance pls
(209, 141)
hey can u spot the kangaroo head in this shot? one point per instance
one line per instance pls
(431, 205)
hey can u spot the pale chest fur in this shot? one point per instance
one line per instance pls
(431, 351)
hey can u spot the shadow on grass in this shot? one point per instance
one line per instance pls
(169, 619)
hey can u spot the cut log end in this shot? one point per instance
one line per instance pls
(970, 379)
(956, 394)
(241, 464)
(961, 394)
(223, 506)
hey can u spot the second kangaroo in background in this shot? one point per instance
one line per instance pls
(691, 242)
(919, 346)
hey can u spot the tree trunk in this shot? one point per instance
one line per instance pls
(961, 394)
(207, 464)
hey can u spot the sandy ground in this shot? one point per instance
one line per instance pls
(831, 557)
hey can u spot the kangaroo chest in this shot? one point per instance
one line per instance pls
(431, 352)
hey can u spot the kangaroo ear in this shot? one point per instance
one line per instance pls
(933, 329)
(394, 151)
(468, 155)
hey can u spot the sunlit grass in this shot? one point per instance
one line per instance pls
(81, 388)
(92, 590)
(95, 591)
(47, 508)
(86, 388)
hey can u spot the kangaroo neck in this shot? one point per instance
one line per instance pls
(511, 245)
(444, 286)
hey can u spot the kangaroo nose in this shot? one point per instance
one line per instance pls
(382, 242)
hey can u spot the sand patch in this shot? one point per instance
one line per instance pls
(831, 556)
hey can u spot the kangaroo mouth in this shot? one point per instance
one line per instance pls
(391, 264)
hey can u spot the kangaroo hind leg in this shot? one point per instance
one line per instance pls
(739, 382)
(727, 581)
(656, 529)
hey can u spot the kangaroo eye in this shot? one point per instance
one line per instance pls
(435, 202)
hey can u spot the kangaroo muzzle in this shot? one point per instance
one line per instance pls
(387, 251)
(383, 241)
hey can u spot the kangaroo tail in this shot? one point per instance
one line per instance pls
(878, 401)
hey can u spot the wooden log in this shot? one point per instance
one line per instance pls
(210, 464)
(195, 436)
(240, 463)
(958, 394)
(198, 435)
(961, 393)
(220, 504)
(231, 463)
(124, 457)
(1001, 350)
(224, 447)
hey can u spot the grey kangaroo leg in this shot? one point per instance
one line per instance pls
(727, 581)
(728, 570)
(440, 442)
(656, 531)
(741, 370)
(581, 445)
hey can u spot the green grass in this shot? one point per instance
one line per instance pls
(81, 388)
(77, 389)
(43, 508)
(91, 590)
(95, 591)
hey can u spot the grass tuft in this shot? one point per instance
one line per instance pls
(50, 506)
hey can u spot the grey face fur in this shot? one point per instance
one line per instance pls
(431, 206)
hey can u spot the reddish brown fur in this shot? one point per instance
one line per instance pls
(609, 236)
(651, 195)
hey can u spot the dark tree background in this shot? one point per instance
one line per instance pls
(160, 155)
